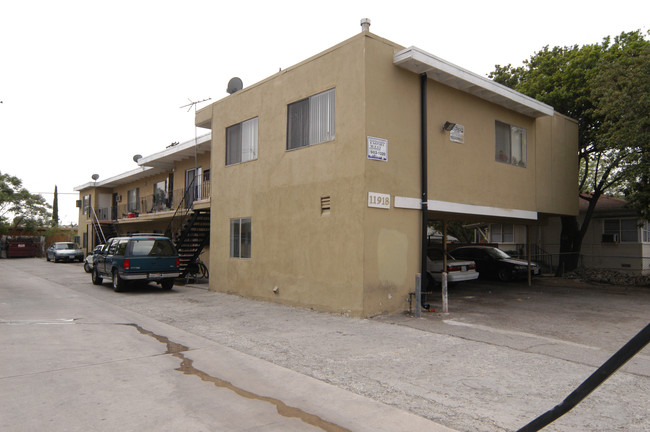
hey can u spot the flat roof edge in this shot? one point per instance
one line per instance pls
(419, 61)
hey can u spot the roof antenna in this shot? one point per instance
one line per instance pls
(196, 141)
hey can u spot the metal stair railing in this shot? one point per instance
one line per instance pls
(97, 225)
(183, 209)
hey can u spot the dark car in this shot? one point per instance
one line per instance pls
(89, 263)
(137, 258)
(64, 251)
(493, 262)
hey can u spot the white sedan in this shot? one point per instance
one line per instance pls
(457, 270)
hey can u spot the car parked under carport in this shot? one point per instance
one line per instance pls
(495, 263)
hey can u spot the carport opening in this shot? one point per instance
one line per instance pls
(476, 256)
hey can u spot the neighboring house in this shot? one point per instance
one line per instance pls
(168, 194)
(316, 172)
(617, 237)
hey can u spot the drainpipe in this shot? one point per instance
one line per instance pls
(423, 174)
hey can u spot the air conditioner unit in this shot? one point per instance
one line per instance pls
(609, 238)
(119, 198)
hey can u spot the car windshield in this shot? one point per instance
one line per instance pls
(497, 253)
(65, 246)
(151, 247)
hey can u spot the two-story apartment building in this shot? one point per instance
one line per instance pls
(324, 174)
(168, 191)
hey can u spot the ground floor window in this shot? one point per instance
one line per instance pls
(646, 232)
(502, 233)
(240, 238)
(626, 230)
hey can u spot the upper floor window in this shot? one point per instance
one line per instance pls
(86, 204)
(241, 142)
(311, 121)
(133, 200)
(510, 144)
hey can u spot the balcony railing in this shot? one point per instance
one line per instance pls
(154, 203)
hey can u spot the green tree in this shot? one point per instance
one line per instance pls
(55, 208)
(605, 87)
(19, 207)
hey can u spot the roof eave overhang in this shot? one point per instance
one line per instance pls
(437, 69)
(165, 159)
(120, 179)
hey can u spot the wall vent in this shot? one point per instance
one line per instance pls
(325, 205)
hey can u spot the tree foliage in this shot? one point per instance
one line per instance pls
(19, 207)
(606, 88)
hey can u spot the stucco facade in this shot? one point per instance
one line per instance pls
(316, 239)
(145, 200)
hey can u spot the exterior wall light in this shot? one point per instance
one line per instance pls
(448, 126)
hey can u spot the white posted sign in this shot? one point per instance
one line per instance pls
(377, 149)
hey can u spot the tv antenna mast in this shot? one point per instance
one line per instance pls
(196, 163)
(194, 104)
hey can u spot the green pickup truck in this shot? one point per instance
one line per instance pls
(137, 258)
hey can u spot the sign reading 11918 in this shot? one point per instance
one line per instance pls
(378, 200)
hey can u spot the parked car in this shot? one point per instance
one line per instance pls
(90, 259)
(457, 270)
(493, 262)
(137, 258)
(64, 251)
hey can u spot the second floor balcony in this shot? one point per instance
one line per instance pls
(163, 204)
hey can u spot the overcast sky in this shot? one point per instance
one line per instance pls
(85, 85)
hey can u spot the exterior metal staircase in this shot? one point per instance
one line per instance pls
(103, 230)
(193, 237)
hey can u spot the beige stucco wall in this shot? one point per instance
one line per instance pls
(362, 260)
(314, 260)
(556, 173)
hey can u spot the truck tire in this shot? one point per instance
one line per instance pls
(167, 284)
(119, 284)
(97, 279)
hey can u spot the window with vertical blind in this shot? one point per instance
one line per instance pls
(311, 121)
(241, 142)
(240, 238)
(510, 144)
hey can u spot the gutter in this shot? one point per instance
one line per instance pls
(424, 180)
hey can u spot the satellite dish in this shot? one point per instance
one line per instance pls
(95, 177)
(137, 157)
(234, 85)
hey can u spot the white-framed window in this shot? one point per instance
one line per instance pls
(160, 195)
(510, 144)
(311, 121)
(241, 142)
(240, 238)
(86, 204)
(646, 232)
(627, 230)
(502, 233)
(193, 181)
(133, 200)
